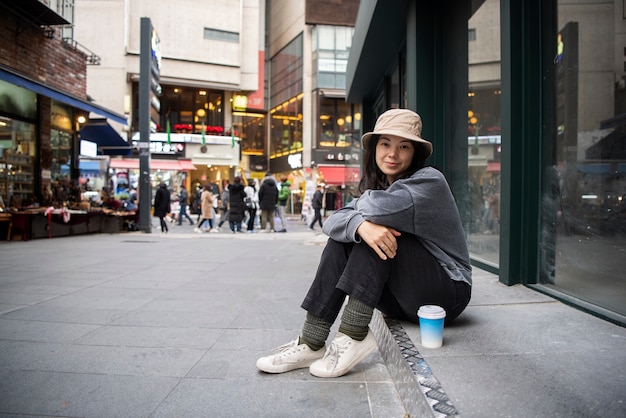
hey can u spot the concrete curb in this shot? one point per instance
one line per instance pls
(420, 391)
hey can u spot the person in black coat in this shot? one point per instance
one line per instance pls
(268, 198)
(162, 205)
(317, 202)
(236, 195)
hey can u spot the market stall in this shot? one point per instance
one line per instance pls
(51, 223)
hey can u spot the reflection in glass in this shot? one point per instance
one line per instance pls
(17, 149)
(483, 132)
(584, 184)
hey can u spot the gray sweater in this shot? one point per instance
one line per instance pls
(421, 205)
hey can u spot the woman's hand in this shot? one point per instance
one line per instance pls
(381, 238)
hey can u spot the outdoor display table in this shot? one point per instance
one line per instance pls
(7, 218)
(42, 223)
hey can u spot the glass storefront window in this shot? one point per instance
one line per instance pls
(331, 46)
(17, 101)
(286, 100)
(61, 147)
(337, 126)
(286, 73)
(17, 150)
(188, 108)
(583, 236)
(250, 127)
(286, 128)
(483, 132)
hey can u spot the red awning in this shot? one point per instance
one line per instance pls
(130, 163)
(186, 165)
(493, 166)
(173, 165)
(340, 174)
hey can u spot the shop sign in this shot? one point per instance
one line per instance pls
(163, 148)
(286, 163)
(294, 161)
(88, 148)
(240, 102)
(333, 156)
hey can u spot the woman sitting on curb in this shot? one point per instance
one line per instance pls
(399, 246)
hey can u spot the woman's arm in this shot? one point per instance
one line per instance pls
(342, 224)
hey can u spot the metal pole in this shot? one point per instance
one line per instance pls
(145, 192)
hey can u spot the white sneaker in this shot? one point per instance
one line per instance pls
(198, 230)
(288, 357)
(342, 355)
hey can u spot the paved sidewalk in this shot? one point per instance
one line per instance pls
(150, 325)
(145, 325)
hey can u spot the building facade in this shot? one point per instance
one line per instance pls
(209, 118)
(44, 106)
(313, 132)
(524, 101)
(264, 80)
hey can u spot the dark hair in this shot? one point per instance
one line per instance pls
(237, 180)
(374, 178)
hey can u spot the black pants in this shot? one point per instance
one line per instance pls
(163, 224)
(317, 217)
(252, 215)
(397, 287)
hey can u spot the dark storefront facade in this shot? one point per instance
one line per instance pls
(525, 103)
(53, 139)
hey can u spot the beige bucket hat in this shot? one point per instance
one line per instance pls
(400, 122)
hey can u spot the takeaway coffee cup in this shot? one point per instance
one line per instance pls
(431, 319)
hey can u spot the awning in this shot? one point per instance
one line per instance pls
(133, 164)
(340, 174)
(35, 11)
(186, 165)
(379, 24)
(55, 94)
(89, 167)
(108, 140)
(85, 167)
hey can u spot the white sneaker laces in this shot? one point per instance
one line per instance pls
(285, 348)
(333, 353)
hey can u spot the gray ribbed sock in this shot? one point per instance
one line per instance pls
(356, 319)
(315, 332)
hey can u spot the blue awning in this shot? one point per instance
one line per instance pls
(108, 140)
(60, 96)
(85, 167)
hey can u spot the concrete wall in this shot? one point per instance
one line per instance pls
(111, 29)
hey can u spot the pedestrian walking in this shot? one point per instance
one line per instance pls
(317, 202)
(197, 204)
(224, 205)
(207, 210)
(183, 200)
(398, 246)
(283, 197)
(162, 206)
(236, 207)
(252, 203)
(268, 197)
